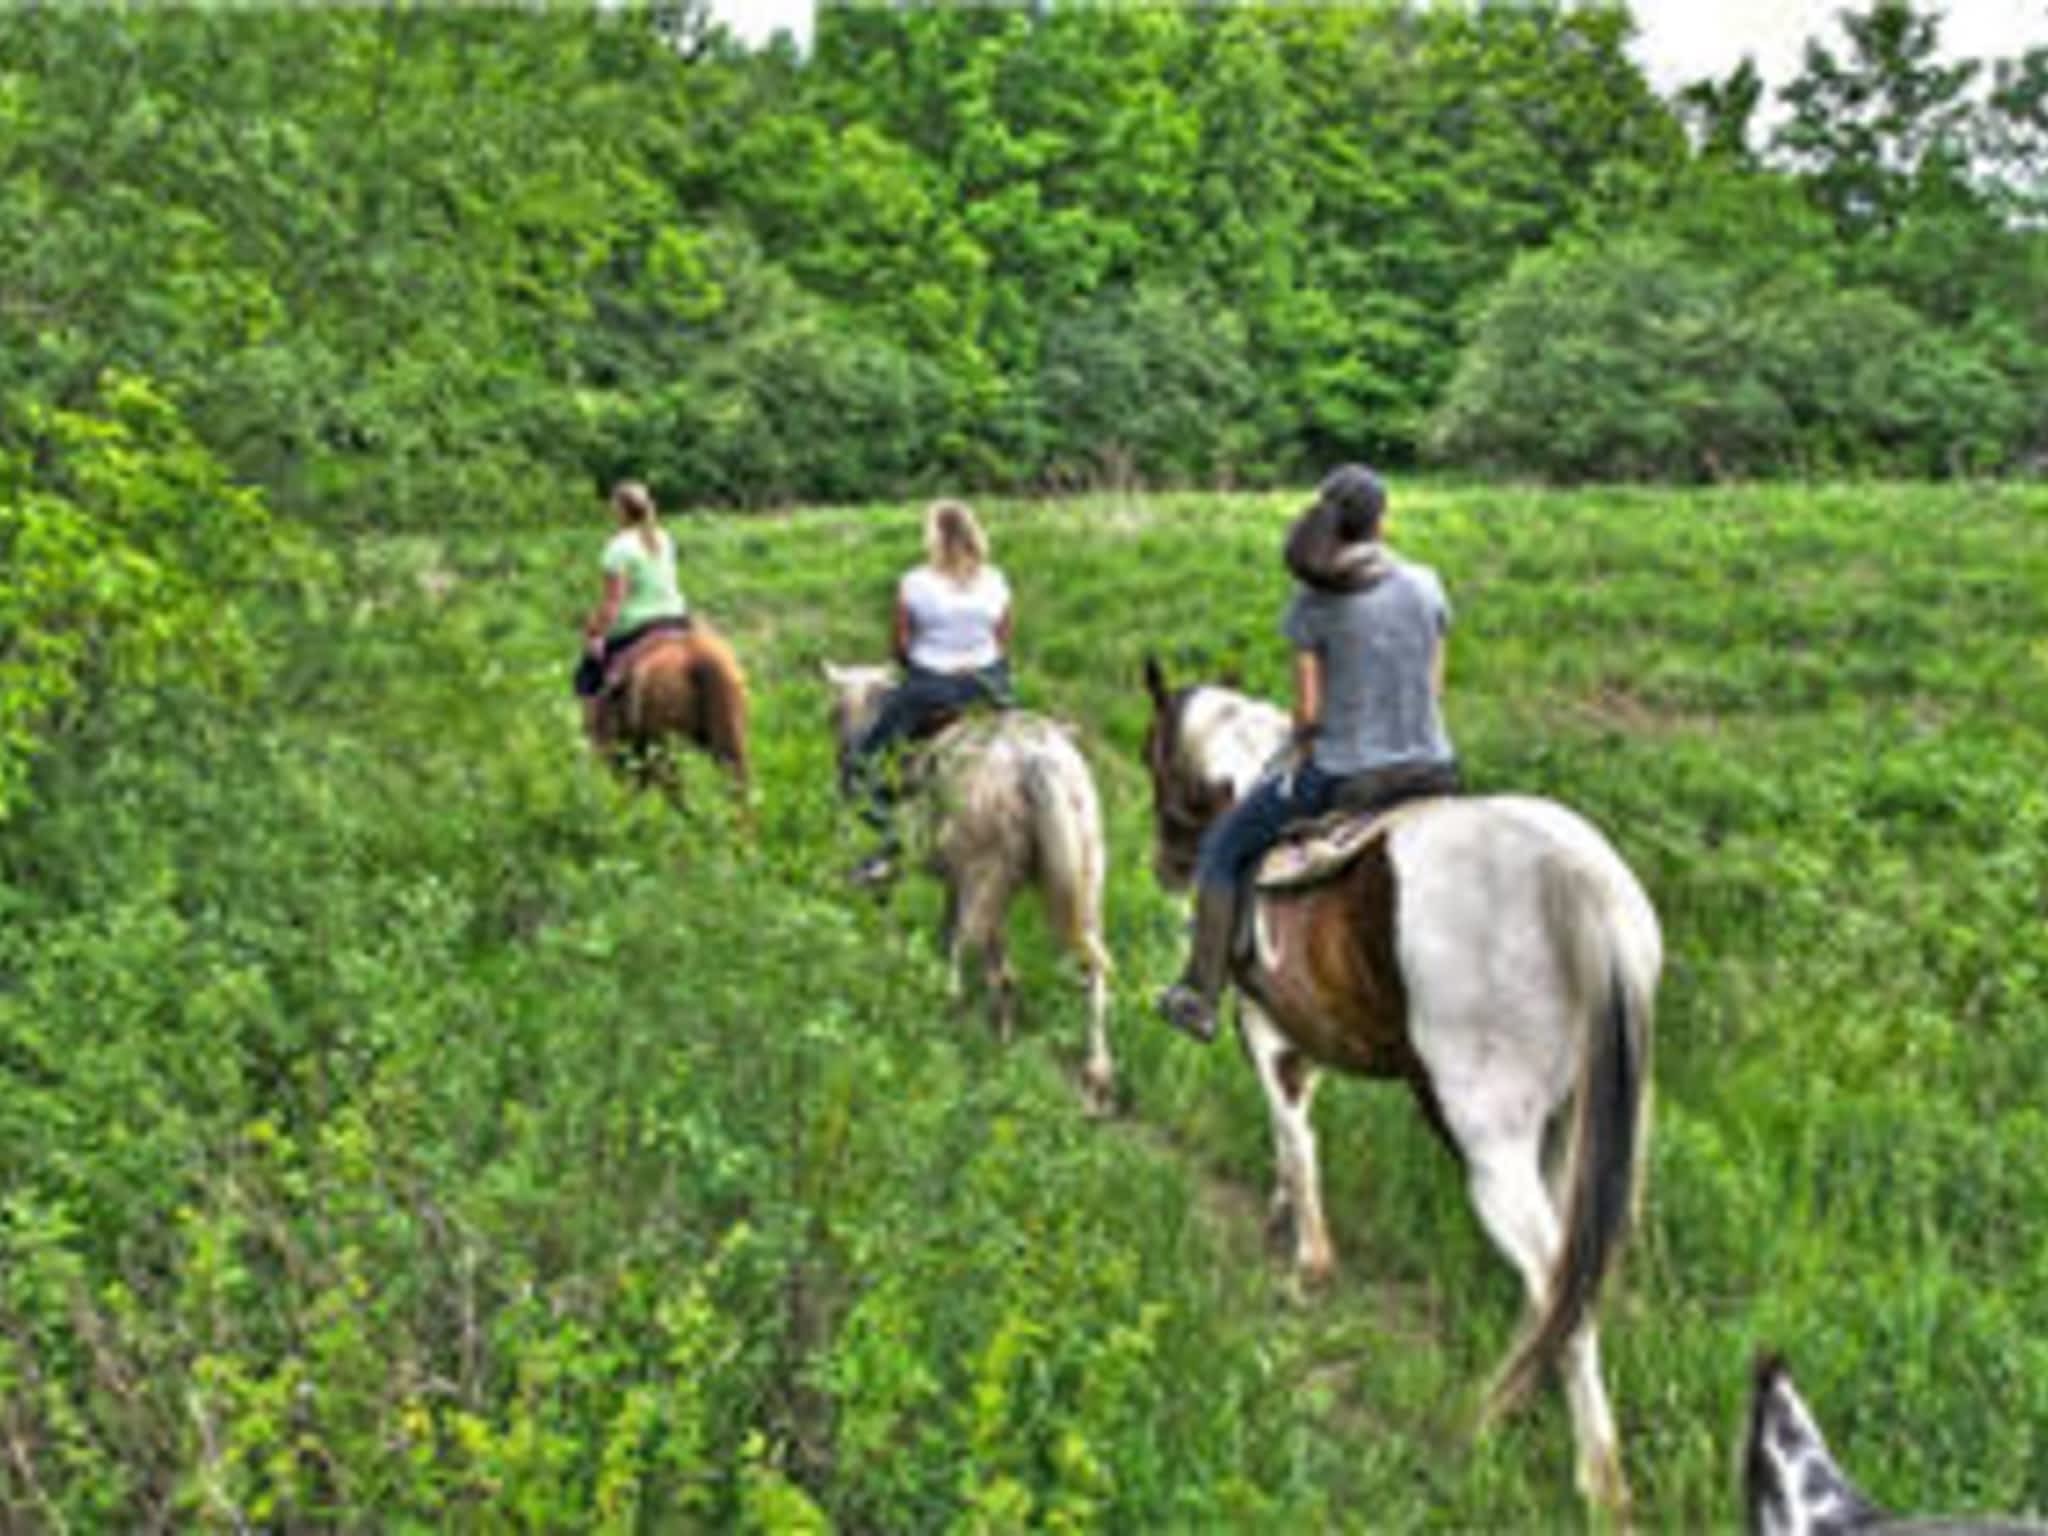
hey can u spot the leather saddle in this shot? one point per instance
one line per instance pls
(1319, 850)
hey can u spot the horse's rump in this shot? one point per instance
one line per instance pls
(684, 682)
(992, 784)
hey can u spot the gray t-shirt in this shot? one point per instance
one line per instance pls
(1378, 649)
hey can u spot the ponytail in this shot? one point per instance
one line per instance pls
(635, 503)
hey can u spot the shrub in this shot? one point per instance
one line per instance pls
(1635, 360)
(128, 554)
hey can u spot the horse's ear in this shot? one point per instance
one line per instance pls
(1232, 678)
(832, 674)
(1155, 681)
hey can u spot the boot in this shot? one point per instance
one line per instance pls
(1189, 1004)
(877, 870)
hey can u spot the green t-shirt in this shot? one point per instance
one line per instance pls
(651, 591)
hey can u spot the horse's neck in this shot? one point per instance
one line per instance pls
(1230, 738)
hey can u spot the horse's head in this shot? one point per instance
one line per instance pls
(1186, 795)
(857, 694)
(1791, 1483)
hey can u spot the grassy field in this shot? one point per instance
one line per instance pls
(404, 1127)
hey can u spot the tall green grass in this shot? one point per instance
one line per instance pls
(401, 1125)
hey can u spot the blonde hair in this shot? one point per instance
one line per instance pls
(635, 503)
(953, 541)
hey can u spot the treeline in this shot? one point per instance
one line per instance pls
(411, 264)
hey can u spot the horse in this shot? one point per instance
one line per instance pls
(1492, 952)
(684, 684)
(1792, 1485)
(1001, 801)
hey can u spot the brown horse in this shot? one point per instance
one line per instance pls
(684, 684)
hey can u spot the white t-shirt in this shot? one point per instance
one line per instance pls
(953, 627)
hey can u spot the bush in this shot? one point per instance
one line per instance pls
(1635, 360)
(1151, 381)
(127, 554)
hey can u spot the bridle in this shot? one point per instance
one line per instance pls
(1182, 812)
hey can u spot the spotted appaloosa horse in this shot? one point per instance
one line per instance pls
(1003, 801)
(1497, 955)
(1792, 1486)
(682, 684)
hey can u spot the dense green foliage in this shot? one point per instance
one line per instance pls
(404, 1126)
(1632, 360)
(126, 550)
(1884, 308)
(403, 265)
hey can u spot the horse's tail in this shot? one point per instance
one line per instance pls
(721, 689)
(1066, 827)
(1611, 969)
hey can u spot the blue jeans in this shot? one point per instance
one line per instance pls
(1235, 842)
(911, 709)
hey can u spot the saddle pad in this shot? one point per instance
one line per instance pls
(1321, 849)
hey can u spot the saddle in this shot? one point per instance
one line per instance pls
(618, 669)
(1319, 850)
(937, 725)
(1366, 809)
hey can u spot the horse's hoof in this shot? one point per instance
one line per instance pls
(1305, 1287)
(1098, 1092)
(1602, 1485)
(1316, 1271)
(1280, 1229)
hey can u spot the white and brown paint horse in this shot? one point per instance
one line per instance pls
(1000, 802)
(1792, 1486)
(1497, 955)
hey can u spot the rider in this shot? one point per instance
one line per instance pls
(1367, 630)
(640, 594)
(952, 638)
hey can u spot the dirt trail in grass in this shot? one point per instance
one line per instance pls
(1327, 1338)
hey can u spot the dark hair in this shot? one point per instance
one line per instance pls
(1356, 502)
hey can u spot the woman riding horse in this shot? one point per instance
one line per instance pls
(640, 597)
(1367, 630)
(952, 637)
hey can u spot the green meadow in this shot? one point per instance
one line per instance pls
(407, 1127)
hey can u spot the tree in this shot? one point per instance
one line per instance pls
(1722, 113)
(1871, 126)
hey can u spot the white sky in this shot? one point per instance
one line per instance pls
(1679, 40)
